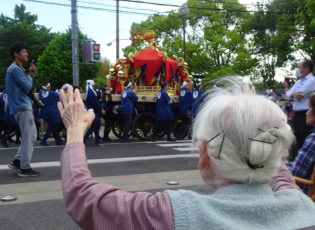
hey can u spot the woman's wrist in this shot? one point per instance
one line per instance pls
(74, 134)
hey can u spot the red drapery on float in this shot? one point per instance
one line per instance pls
(170, 68)
(153, 59)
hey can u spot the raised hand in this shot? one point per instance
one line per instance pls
(74, 115)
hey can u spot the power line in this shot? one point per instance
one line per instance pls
(124, 7)
(206, 8)
(89, 8)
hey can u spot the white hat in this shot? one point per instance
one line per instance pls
(65, 86)
(129, 84)
(198, 82)
(184, 84)
(46, 86)
(269, 91)
(90, 82)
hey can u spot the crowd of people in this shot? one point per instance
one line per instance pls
(241, 137)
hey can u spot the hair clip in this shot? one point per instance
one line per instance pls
(213, 137)
(265, 131)
(266, 142)
(221, 146)
(253, 166)
(221, 143)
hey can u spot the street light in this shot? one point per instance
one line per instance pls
(184, 11)
(111, 42)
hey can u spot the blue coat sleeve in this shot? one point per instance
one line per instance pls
(22, 80)
(133, 97)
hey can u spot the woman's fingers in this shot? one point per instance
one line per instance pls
(60, 107)
(70, 94)
(63, 97)
(90, 115)
(77, 96)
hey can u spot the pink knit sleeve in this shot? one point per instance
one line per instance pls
(283, 179)
(94, 205)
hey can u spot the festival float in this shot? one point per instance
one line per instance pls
(146, 70)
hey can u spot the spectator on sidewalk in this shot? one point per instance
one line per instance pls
(239, 154)
(304, 162)
(300, 92)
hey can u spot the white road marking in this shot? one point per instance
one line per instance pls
(186, 149)
(110, 160)
(175, 144)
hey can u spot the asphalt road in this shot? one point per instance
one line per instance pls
(136, 166)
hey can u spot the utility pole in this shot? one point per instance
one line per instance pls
(117, 29)
(74, 40)
(183, 12)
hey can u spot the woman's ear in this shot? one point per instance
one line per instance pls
(204, 159)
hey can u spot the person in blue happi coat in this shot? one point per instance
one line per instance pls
(107, 107)
(164, 112)
(185, 106)
(185, 102)
(9, 126)
(127, 108)
(50, 113)
(92, 101)
(197, 98)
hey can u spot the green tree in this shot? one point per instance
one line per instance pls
(21, 28)
(216, 42)
(305, 18)
(272, 38)
(54, 65)
(103, 70)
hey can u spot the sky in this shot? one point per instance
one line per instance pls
(100, 25)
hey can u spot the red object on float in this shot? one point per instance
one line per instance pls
(170, 68)
(152, 58)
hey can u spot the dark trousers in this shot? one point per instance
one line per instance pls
(109, 119)
(127, 126)
(53, 128)
(95, 127)
(301, 131)
(166, 126)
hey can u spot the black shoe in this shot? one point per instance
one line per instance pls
(106, 139)
(60, 143)
(125, 141)
(15, 165)
(5, 143)
(98, 142)
(170, 139)
(43, 143)
(28, 173)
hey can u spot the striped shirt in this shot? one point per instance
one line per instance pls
(303, 163)
(95, 205)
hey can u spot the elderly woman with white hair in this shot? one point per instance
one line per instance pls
(241, 138)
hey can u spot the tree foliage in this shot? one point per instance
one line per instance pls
(54, 65)
(216, 42)
(21, 28)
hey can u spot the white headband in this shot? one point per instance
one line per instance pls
(129, 84)
(45, 87)
(90, 82)
(65, 86)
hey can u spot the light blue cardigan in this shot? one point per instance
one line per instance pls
(242, 206)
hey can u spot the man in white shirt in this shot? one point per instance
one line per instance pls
(300, 92)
